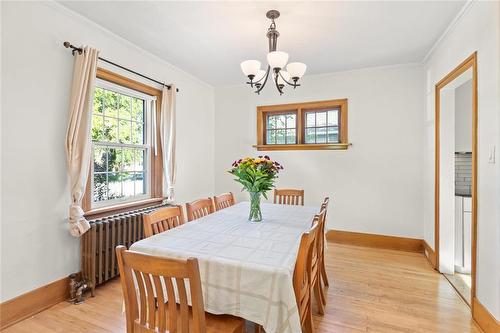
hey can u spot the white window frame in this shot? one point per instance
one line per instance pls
(149, 127)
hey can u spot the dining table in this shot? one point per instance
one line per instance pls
(246, 268)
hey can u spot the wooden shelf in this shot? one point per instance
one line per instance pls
(316, 146)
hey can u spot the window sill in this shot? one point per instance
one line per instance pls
(120, 208)
(315, 146)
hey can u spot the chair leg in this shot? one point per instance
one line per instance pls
(309, 325)
(322, 293)
(323, 273)
(318, 295)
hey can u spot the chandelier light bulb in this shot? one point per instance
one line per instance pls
(296, 69)
(277, 59)
(250, 67)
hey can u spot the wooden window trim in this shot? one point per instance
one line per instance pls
(156, 162)
(299, 109)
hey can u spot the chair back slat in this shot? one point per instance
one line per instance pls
(224, 200)
(289, 197)
(154, 289)
(142, 295)
(150, 298)
(172, 306)
(199, 208)
(162, 220)
(183, 305)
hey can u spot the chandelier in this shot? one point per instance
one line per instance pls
(277, 61)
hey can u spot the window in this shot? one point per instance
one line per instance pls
(312, 125)
(124, 167)
(322, 126)
(281, 128)
(120, 145)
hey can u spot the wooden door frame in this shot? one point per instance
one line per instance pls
(470, 62)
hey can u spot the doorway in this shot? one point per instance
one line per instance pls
(456, 177)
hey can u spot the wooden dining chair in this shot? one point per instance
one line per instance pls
(324, 276)
(144, 276)
(224, 200)
(162, 220)
(302, 277)
(316, 263)
(199, 208)
(289, 197)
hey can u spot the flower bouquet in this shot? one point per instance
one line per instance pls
(257, 175)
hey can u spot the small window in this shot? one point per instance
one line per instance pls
(312, 125)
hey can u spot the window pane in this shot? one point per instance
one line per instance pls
(110, 130)
(333, 134)
(114, 186)
(321, 135)
(139, 157)
(125, 131)
(127, 179)
(137, 133)
(271, 122)
(280, 137)
(100, 188)
(290, 121)
(333, 118)
(281, 121)
(310, 119)
(128, 159)
(140, 184)
(97, 128)
(310, 135)
(98, 101)
(271, 137)
(321, 119)
(290, 136)
(99, 159)
(110, 100)
(114, 159)
(125, 110)
(138, 109)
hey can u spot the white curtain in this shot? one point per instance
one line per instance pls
(167, 136)
(78, 143)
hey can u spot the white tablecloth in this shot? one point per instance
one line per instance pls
(246, 267)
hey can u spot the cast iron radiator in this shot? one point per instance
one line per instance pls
(98, 258)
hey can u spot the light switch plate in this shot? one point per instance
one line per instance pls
(491, 158)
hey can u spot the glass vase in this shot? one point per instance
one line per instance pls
(255, 213)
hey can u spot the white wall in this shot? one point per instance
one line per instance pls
(376, 183)
(463, 117)
(37, 71)
(477, 30)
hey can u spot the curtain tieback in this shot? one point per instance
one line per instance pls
(78, 224)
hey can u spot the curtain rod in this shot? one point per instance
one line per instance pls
(74, 49)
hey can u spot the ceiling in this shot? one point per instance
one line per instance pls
(210, 39)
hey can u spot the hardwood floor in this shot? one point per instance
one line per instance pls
(371, 290)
